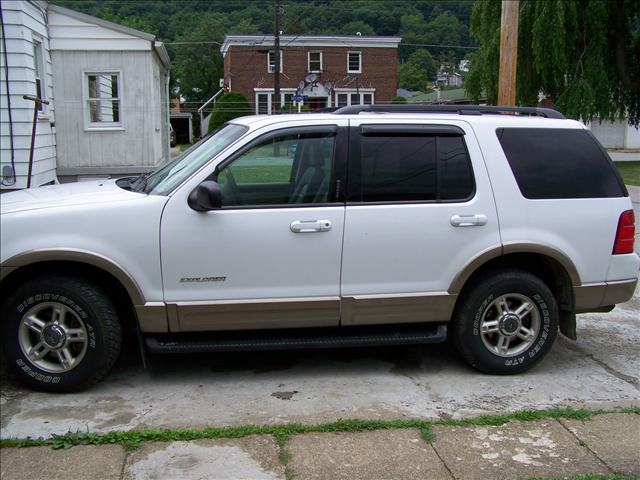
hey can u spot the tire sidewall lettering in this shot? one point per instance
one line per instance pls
(24, 305)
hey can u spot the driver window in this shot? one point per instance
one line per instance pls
(289, 169)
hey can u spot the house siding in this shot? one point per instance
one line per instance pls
(142, 142)
(24, 21)
(139, 142)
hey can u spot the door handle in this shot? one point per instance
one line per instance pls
(469, 220)
(310, 226)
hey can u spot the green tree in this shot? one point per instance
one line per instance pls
(582, 54)
(352, 28)
(228, 106)
(417, 71)
(197, 63)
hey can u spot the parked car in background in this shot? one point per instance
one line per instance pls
(372, 225)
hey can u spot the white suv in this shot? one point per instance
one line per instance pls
(370, 225)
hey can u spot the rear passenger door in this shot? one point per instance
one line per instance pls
(419, 209)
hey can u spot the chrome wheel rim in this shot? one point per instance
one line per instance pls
(53, 337)
(510, 325)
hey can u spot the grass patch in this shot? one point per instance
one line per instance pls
(614, 476)
(131, 439)
(630, 172)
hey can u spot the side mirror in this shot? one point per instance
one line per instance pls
(206, 196)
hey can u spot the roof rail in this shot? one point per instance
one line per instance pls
(459, 109)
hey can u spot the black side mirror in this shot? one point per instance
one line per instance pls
(206, 196)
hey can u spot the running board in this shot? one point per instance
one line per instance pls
(300, 339)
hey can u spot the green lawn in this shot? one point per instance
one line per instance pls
(450, 94)
(261, 174)
(630, 172)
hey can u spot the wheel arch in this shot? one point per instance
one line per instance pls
(107, 274)
(549, 264)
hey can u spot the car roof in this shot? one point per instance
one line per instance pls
(498, 121)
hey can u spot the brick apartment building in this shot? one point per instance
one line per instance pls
(331, 70)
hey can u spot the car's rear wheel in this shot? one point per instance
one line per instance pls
(505, 322)
(59, 333)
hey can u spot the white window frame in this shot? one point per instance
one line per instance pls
(309, 61)
(40, 64)
(101, 126)
(359, 70)
(269, 67)
(269, 92)
(361, 92)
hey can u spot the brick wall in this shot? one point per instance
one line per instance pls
(245, 68)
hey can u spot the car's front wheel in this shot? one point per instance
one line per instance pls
(505, 322)
(59, 333)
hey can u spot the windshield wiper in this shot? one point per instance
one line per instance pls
(139, 183)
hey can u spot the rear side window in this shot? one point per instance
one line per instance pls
(559, 163)
(413, 167)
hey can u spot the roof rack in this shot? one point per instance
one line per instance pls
(459, 109)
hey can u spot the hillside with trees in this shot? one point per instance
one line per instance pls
(191, 28)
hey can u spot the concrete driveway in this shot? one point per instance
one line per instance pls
(599, 370)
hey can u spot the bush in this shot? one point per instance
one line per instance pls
(294, 108)
(399, 100)
(230, 105)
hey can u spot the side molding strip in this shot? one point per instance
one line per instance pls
(397, 308)
(255, 314)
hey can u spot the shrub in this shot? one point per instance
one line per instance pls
(229, 105)
(399, 100)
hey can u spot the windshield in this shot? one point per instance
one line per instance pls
(168, 177)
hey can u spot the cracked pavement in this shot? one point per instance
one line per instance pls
(599, 370)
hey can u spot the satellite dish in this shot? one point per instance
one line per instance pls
(328, 85)
(312, 77)
(301, 85)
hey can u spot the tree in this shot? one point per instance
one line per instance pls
(352, 28)
(398, 100)
(199, 66)
(228, 106)
(415, 73)
(582, 54)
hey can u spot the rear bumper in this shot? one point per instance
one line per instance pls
(593, 297)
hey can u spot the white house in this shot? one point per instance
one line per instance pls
(107, 87)
(25, 49)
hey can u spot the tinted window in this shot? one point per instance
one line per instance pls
(559, 163)
(454, 169)
(412, 168)
(288, 169)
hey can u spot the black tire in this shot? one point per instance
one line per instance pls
(85, 301)
(477, 300)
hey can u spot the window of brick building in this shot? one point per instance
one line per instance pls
(314, 62)
(354, 62)
(271, 61)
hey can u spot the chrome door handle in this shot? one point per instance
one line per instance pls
(468, 220)
(309, 226)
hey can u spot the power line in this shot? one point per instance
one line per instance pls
(432, 45)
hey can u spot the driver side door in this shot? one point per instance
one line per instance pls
(270, 257)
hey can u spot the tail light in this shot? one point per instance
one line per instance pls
(625, 233)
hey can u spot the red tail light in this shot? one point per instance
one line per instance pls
(625, 233)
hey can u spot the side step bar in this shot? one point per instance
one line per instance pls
(299, 339)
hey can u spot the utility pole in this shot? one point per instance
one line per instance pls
(508, 52)
(275, 104)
